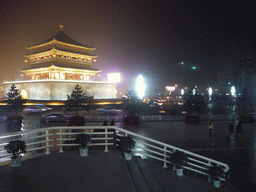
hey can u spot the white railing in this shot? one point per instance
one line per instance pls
(35, 140)
(162, 151)
(60, 136)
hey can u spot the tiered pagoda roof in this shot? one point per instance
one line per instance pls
(63, 54)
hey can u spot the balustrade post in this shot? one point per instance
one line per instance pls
(60, 137)
(106, 140)
(165, 166)
(47, 143)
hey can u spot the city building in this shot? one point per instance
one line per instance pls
(246, 75)
(56, 66)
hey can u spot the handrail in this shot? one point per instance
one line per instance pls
(174, 148)
(148, 147)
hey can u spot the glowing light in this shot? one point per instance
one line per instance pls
(169, 88)
(233, 90)
(210, 91)
(182, 91)
(26, 61)
(140, 87)
(24, 94)
(114, 78)
(94, 60)
(194, 91)
(193, 67)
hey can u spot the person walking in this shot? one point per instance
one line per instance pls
(210, 127)
(112, 123)
(231, 130)
(239, 129)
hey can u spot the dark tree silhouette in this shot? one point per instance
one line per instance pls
(132, 103)
(76, 99)
(194, 102)
(15, 99)
(245, 103)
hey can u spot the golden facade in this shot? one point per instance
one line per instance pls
(61, 60)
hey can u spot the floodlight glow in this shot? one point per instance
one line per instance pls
(210, 91)
(182, 91)
(194, 91)
(114, 78)
(233, 90)
(140, 87)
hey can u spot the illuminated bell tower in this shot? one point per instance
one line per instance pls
(56, 66)
(60, 57)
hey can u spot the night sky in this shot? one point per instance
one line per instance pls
(150, 38)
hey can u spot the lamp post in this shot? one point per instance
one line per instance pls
(140, 87)
(233, 91)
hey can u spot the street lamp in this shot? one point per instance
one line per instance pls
(210, 93)
(182, 91)
(233, 91)
(140, 87)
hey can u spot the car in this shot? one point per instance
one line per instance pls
(171, 112)
(44, 107)
(107, 109)
(55, 117)
(34, 109)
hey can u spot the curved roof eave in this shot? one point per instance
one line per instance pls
(61, 37)
(64, 51)
(61, 66)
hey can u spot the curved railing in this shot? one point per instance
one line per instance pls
(57, 138)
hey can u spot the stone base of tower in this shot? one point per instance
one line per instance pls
(59, 89)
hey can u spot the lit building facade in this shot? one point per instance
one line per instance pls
(56, 66)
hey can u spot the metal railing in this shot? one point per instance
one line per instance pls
(162, 152)
(61, 137)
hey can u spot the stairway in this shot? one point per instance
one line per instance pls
(149, 175)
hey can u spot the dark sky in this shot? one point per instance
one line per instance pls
(135, 37)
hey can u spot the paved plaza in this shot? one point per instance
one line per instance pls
(240, 155)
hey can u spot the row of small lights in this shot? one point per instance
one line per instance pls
(54, 55)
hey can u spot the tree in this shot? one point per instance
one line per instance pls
(245, 103)
(194, 102)
(15, 99)
(76, 99)
(132, 103)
